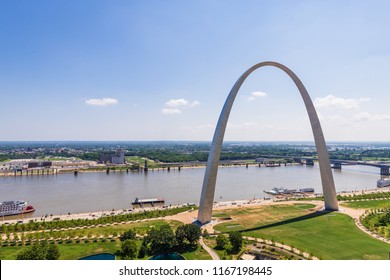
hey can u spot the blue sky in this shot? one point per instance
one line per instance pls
(161, 70)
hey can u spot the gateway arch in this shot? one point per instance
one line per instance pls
(208, 189)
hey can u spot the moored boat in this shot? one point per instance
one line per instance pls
(150, 201)
(15, 207)
(277, 191)
(285, 191)
(381, 183)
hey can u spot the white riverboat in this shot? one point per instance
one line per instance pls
(15, 207)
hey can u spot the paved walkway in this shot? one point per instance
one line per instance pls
(212, 253)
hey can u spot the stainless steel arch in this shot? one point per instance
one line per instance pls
(208, 189)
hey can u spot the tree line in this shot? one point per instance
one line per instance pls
(159, 241)
(64, 224)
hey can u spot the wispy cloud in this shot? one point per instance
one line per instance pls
(171, 111)
(181, 103)
(172, 106)
(101, 101)
(364, 116)
(256, 94)
(177, 102)
(332, 102)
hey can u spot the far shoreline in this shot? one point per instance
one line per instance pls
(123, 169)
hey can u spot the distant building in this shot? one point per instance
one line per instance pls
(117, 158)
(34, 164)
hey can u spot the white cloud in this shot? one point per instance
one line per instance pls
(332, 102)
(177, 102)
(101, 101)
(171, 111)
(256, 94)
(364, 116)
(181, 103)
(173, 105)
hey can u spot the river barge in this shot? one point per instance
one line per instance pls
(147, 201)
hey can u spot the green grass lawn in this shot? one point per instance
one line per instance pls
(370, 204)
(198, 254)
(325, 235)
(67, 251)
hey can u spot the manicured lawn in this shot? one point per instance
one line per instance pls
(10, 253)
(325, 235)
(77, 251)
(67, 251)
(369, 204)
(198, 254)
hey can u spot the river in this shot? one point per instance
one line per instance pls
(98, 191)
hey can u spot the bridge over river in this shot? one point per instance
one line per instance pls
(384, 166)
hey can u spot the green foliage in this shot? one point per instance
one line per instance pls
(128, 249)
(180, 235)
(40, 251)
(161, 241)
(128, 235)
(142, 251)
(373, 195)
(377, 220)
(235, 239)
(222, 241)
(52, 252)
(188, 232)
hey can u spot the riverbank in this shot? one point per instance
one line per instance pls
(187, 217)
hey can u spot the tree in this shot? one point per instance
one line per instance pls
(189, 232)
(222, 241)
(235, 239)
(128, 235)
(52, 252)
(40, 251)
(180, 235)
(142, 251)
(161, 241)
(129, 249)
(193, 233)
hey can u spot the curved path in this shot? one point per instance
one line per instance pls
(211, 252)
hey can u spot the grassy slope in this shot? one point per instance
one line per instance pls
(328, 236)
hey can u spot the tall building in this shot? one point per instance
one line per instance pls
(117, 158)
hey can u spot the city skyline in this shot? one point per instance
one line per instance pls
(132, 70)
